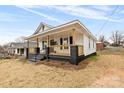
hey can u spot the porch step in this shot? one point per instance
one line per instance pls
(32, 60)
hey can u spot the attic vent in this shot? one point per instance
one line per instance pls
(73, 29)
(43, 26)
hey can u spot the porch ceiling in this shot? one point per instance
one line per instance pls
(54, 33)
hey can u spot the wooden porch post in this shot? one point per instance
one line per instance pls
(27, 50)
(37, 43)
(28, 44)
(48, 41)
(47, 48)
(37, 48)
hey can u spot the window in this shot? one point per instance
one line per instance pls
(89, 43)
(61, 42)
(52, 42)
(44, 44)
(17, 50)
(93, 44)
(22, 51)
(71, 39)
(65, 41)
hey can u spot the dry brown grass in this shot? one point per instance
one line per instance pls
(14, 73)
(89, 73)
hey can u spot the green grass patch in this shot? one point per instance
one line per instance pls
(93, 58)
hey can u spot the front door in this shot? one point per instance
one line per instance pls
(51, 44)
(43, 46)
(64, 41)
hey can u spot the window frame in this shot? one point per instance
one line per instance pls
(89, 43)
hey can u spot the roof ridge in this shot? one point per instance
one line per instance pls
(40, 25)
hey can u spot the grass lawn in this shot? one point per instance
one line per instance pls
(104, 70)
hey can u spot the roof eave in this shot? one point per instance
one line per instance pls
(66, 24)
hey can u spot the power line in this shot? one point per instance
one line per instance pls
(100, 30)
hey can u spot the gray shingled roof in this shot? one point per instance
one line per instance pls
(23, 45)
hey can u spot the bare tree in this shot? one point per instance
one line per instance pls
(102, 38)
(6, 46)
(1, 49)
(117, 37)
(20, 39)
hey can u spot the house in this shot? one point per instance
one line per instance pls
(1, 49)
(19, 48)
(99, 46)
(122, 43)
(71, 41)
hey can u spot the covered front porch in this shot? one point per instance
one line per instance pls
(63, 44)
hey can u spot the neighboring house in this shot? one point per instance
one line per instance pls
(1, 52)
(1, 49)
(122, 43)
(20, 48)
(99, 46)
(71, 41)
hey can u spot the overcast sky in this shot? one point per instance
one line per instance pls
(16, 21)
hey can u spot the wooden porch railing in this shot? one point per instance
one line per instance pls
(74, 53)
(80, 50)
(65, 49)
